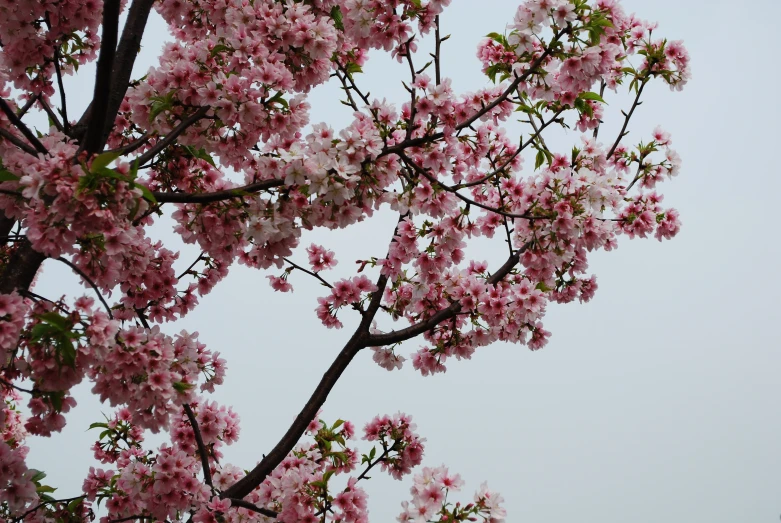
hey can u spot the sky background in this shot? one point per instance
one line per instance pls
(657, 401)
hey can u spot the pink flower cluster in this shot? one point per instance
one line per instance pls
(154, 374)
(384, 24)
(344, 292)
(31, 30)
(404, 448)
(429, 500)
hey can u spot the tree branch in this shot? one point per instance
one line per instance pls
(19, 124)
(235, 502)
(90, 282)
(210, 197)
(21, 268)
(93, 141)
(207, 473)
(173, 135)
(380, 340)
(8, 135)
(358, 341)
(627, 118)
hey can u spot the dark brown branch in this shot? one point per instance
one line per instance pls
(358, 341)
(8, 135)
(28, 105)
(132, 146)
(269, 462)
(63, 103)
(311, 273)
(51, 115)
(235, 502)
(17, 122)
(12, 386)
(380, 340)
(210, 197)
(125, 57)
(171, 137)
(90, 282)
(52, 502)
(93, 141)
(207, 473)
(601, 95)
(423, 172)
(21, 268)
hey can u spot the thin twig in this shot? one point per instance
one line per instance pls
(53, 117)
(623, 132)
(90, 282)
(316, 275)
(50, 502)
(173, 135)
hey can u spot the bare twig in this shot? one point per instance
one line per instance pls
(627, 117)
(90, 282)
(311, 273)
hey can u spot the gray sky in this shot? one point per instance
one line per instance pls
(657, 401)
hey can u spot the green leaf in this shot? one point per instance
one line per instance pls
(277, 98)
(98, 424)
(45, 488)
(182, 387)
(338, 424)
(353, 68)
(39, 475)
(539, 160)
(67, 352)
(104, 159)
(200, 154)
(53, 318)
(219, 48)
(74, 504)
(336, 16)
(592, 96)
(147, 194)
(8, 176)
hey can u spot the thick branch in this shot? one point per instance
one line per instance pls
(251, 506)
(207, 473)
(209, 197)
(124, 58)
(17, 122)
(8, 135)
(93, 141)
(21, 268)
(256, 476)
(358, 341)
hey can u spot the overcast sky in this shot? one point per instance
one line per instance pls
(658, 401)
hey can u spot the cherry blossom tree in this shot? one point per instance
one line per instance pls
(217, 136)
